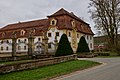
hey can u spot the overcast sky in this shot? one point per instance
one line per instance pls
(12, 11)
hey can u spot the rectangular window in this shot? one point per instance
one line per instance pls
(25, 40)
(39, 39)
(7, 48)
(7, 41)
(1, 48)
(25, 48)
(77, 35)
(57, 33)
(49, 34)
(90, 45)
(87, 37)
(19, 48)
(49, 45)
(18, 40)
(69, 34)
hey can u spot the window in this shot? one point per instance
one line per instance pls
(1, 48)
(49, 45)
(7, 41)
(73, 23)
(49, 34)
(39, 39)
(25, 47)
(18, 40)
(25, 40)
(90, 37)
(77, 35)
(19, 48)
(22, 32)
(87, 37)
(57, 33)
(7, 48)
(69, 34)
(2, 42)
(90, 45)
(53, 22)
(3, 34)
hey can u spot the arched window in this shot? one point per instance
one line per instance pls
(22, 32)
(53, 22)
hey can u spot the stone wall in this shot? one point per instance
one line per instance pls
(35, 63)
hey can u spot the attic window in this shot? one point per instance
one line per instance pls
(73, 23)
(3, 34)
(53, 22)
(22, 32)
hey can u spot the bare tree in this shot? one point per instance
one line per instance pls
(106, 15)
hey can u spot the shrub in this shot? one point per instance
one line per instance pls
(64, 47)
(82, 46)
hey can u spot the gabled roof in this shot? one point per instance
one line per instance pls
(64, 12)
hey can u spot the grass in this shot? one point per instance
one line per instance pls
(49, 71)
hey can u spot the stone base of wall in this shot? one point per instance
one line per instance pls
(35, 63)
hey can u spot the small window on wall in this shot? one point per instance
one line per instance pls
(18, 40)
(25, 47)
(25, 40)
(1, 48)
(57, 33)
(2, 42)
(90, 45)
(53, 22)
(87, 37)
(19, 48)
(49, 34)
(49, 45)
(77, 35)
(69, 34)
(90, 37)
(7, 41)
(39, 39)
(7, 48)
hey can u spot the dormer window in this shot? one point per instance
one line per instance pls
(73, 23)
(3, 34)
(22, 32)
(53, 22)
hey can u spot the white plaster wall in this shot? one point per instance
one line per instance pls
(90, 41)
(4, 45)
(52, 38)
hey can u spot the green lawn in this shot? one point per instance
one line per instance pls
(49, 71)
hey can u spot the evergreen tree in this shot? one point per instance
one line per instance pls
(64, 47)
(82, 46)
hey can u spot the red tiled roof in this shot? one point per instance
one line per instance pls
(64, 12)
(30, 24)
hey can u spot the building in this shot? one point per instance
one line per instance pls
(61, 22)
(101, 43)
